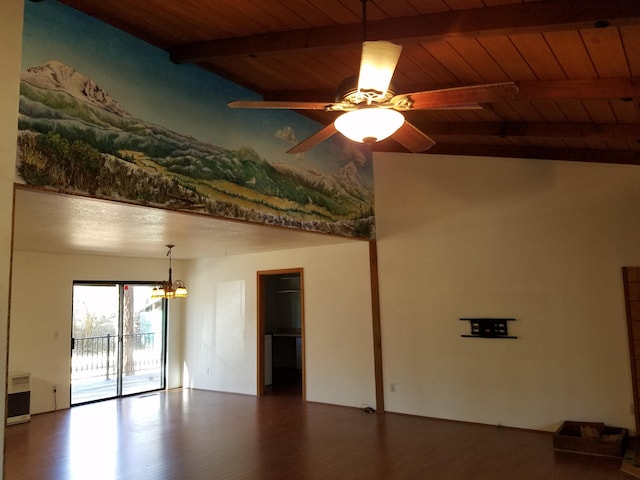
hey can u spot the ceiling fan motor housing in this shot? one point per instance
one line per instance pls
(347, 92)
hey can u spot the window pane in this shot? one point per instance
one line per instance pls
(142, 340)
(94, 357)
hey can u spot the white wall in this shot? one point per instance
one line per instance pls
(10, 49)
(220, 320)
(40, 332)
(458, 237)
(540, 241)
(220, 335)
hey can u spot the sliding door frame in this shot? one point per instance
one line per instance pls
(120, 333)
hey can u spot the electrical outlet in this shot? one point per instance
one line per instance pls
(393, 387)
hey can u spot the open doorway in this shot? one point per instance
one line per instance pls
(281, 333)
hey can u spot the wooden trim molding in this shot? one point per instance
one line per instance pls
(631, 283)
(375, 317)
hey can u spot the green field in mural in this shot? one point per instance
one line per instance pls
(105, 115)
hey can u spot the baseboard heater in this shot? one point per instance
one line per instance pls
(18, 398)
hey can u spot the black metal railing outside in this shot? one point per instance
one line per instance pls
(97, 356)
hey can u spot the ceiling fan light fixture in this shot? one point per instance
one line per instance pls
(369, 125)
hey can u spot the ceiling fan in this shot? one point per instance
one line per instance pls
(371, 109)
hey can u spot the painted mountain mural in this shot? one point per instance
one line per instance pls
(75, 138)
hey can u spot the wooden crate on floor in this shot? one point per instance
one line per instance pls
(590, 438)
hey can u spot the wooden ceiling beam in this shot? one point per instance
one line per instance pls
(529, 152)
(591, 131)
(607, 88)
(543, 16)
(532, 130)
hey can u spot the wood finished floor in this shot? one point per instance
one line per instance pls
(193, 434)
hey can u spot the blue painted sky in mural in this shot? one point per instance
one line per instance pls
(184, 98)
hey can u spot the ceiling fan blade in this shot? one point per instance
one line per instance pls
(412, 138)
(314, 139)
(486, 93)
(377, 64)
(281, 104)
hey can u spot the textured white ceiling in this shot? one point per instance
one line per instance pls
(50, 222)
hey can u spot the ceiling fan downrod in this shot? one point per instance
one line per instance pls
(364, 20)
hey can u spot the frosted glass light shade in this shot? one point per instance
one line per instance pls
(377, 65)
(181, 290)
(369, 125)
(158, 292)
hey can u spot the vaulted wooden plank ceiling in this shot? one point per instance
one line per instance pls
(576, 62)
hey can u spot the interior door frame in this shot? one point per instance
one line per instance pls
(261, 276)
(631, 282)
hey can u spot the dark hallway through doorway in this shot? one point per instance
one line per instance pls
(281, 333)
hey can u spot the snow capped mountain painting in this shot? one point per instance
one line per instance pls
(107, 116)
(56, 76)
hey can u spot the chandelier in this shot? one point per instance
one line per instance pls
(170, 289)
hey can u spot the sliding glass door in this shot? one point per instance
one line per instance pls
(118, 341)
